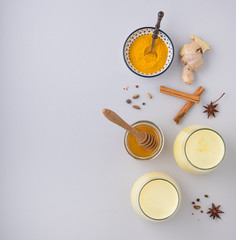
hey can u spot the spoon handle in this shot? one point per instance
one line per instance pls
(155, 32)
(113, 117)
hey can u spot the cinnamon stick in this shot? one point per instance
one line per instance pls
(179, 116)
(190, 97)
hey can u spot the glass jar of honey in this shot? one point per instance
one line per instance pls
(138, 152)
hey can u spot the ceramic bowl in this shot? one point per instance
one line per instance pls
(145, 31)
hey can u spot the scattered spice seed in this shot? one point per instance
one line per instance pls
(206, 196)
(143, 103)
(128, 101)
(197, 207)
(136, 107)
(136, 96)
(193, 202)
(198, 199)
(136, 86)
(192, 213)
(201, 211)
(149, 95)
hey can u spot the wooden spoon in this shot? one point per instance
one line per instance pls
(146, 140)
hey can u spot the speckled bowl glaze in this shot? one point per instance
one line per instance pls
(145, 31)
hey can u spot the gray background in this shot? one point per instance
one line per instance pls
(64, 173)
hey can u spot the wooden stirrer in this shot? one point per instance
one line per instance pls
(146, 140)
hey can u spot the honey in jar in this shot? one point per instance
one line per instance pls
(139, 152)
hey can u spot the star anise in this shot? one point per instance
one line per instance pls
(211, 108)
(214, 211)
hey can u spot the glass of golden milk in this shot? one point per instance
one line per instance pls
(156, 196)
(137, 151)
(199, 149)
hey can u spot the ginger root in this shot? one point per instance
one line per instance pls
(192, 57)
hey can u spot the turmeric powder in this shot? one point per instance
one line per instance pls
(148, 63)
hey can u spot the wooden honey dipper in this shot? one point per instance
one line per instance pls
(146, 140)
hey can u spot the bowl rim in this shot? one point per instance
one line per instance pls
(146, 76)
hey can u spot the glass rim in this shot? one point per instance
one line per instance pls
(185, 153)
(160, 134)
(172, 214)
